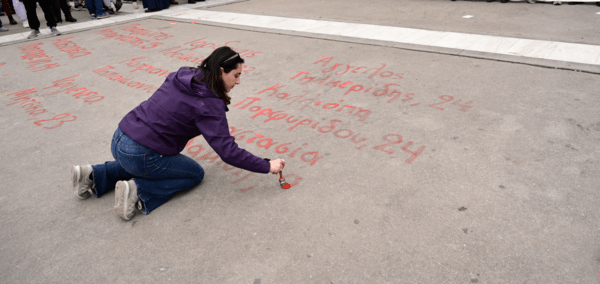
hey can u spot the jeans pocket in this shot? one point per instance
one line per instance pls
(115, 141)
(134, 164)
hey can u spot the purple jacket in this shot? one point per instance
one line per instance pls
(182, 109)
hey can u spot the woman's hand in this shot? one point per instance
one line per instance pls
(276, 166)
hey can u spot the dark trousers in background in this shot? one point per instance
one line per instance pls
(34, 22)
(61, 5)
(7, 7)
(95, 7)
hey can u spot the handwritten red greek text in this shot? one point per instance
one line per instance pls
(134, 29)
(202, 43)
(304, 101)
(341, 69)
(389, 91)
(34, 108)
(325, 126)
(37, 59)
(135, 41)
(67, 85)
(127, 81)
(140, 66)
(310, 157)
(329, 126)
(195, 150)
(71, 48)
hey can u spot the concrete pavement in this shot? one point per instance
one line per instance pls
(412, 161)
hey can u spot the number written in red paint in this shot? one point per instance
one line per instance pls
(397, 139)
(58, 118)
(445, 99)
(391, 139)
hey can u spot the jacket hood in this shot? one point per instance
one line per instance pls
(184, 81)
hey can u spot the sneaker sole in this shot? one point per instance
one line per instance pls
(76, 177)
(121, 200)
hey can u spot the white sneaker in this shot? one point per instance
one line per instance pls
(82, 184)
(26, 24)
(125, 199)
(34, 33)
(135, 5)
(55, 31)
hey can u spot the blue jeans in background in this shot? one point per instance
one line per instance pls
(95, 7)
(157, 176)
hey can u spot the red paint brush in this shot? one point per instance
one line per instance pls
(282, 181)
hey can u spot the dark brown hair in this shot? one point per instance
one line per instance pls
(223, 57)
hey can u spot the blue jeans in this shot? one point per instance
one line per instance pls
(95, 7)
(158, 177)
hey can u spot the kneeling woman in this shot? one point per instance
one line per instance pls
(148, 167)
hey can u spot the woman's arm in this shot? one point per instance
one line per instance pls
(215, 130)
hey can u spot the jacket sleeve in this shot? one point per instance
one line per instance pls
(215, 130)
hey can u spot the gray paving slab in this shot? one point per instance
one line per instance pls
(409, 167)
(543, 21)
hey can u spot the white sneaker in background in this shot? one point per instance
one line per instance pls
(34, 33)
(54, 31)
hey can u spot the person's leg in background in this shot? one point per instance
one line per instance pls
(12, 7)
(2, 29)
(21, 13)
(79, 5)
(110, 5)
(96, 9)
(55, 10)
(8, 11)
(91, 6)
(66, 9)
(46, 6)
(34, 22)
